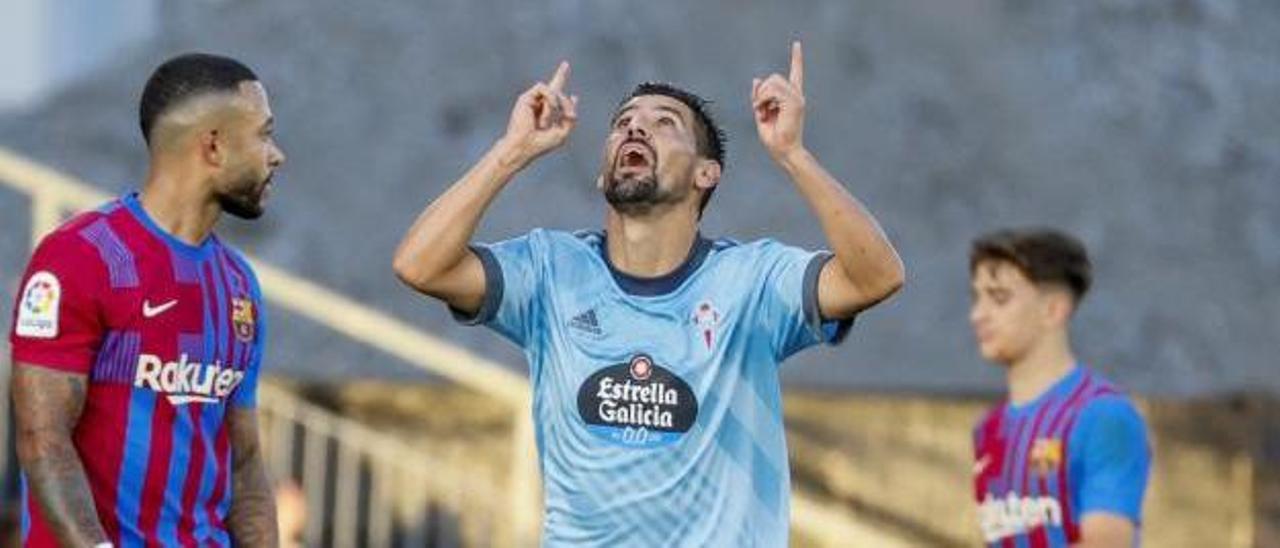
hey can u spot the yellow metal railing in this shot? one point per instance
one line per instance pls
(404, 484)
(54, 195)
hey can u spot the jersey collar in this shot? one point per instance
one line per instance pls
(658, 285)
(134, 206)
(1060, 388)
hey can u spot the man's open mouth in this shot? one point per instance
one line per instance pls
(635, 155)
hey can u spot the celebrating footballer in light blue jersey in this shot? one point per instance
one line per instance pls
(654, 351)
(657, 405)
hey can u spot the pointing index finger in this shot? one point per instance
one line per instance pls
(558, 79)
(797, 67)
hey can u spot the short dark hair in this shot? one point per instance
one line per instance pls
(186, 76)
(711, 138)
(1044, 255)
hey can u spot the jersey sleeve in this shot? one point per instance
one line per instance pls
(510, 292)
(57, 319)
(246, 393)
(791, 299)
(1114, 458)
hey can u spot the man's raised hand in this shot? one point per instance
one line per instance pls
(542, 119)
(778, 104)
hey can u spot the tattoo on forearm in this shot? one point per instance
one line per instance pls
(47, 406)
(252, 518)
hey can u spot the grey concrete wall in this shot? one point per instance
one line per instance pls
(47, 44)
(1145, 126)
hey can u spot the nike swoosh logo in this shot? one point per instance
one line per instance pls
(149, 311)
(981, 466)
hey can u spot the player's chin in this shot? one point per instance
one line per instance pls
(244, 207)
(992, 352)
(632, 183)
(248, 213)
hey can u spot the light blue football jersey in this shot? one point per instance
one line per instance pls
(656, 402)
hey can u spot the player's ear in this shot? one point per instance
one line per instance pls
(211, 147)
(1060, 306)
(707, 174)
(600, 182)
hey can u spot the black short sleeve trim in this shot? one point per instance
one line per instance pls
(493, 288)
(812, 312)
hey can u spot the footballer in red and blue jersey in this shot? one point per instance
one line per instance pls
(137, 337)
(1065, 458)
(170, 335)
(1080, 447)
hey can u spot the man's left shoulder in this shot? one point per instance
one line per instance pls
(1104, 396)
(1109, 411)
(752, 250)
(241, 268)
(1110, 406)
(770, 248)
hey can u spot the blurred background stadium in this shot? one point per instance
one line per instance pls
(1146, 127)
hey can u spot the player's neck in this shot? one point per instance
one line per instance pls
(1042, 367)
(649, 246)
(179, 206)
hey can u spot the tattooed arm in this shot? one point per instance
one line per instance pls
(252, 520)
(47, 405)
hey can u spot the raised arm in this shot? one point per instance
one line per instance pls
(47, 405)
(867, 269)
(433, 258)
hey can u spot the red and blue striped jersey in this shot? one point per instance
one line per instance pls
(1039, 467)
(168, 335)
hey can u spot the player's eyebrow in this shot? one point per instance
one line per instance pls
(662, 108)
(674, 111)
(621, 112)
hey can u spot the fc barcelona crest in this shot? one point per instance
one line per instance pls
(242, 317)
(1046, 456)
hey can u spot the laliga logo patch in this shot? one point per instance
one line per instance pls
(705, 319)
(242, 318)
(637, 404)
(38, 311)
